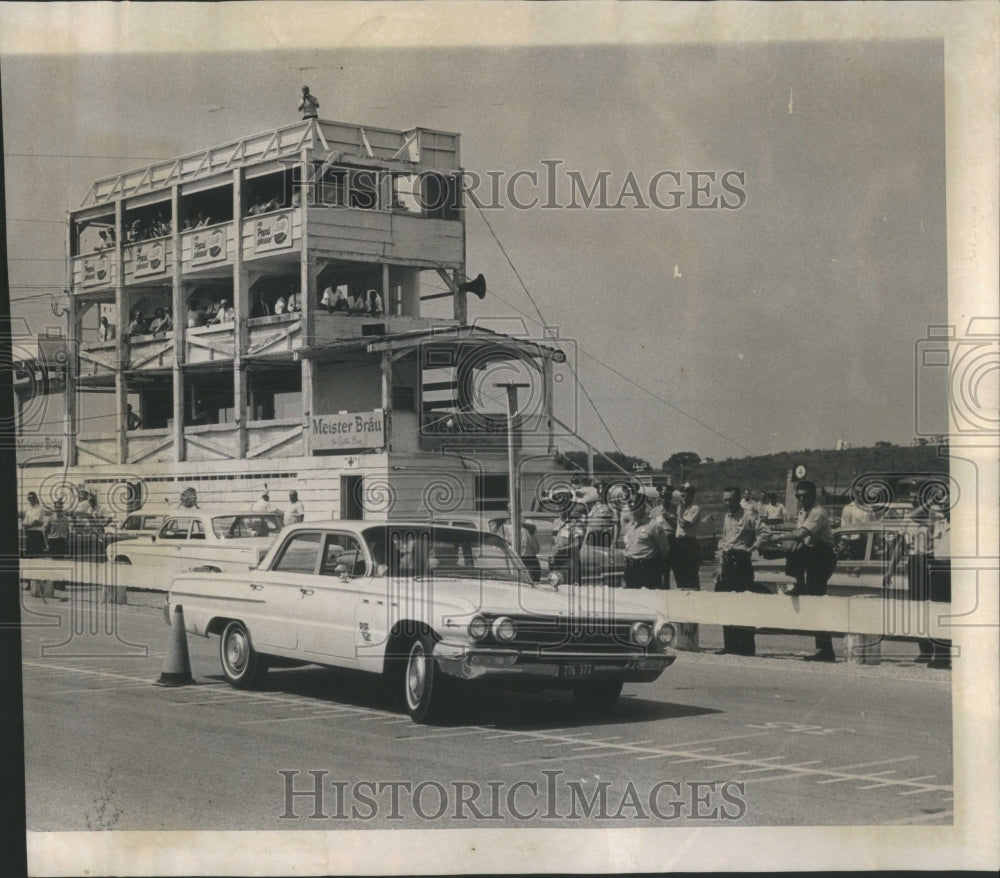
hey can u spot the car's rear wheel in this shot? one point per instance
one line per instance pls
(243, 666)
(597, 696)
(423, 682)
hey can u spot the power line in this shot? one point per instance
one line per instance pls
(635, 384)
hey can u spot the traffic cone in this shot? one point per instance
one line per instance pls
(177, 666)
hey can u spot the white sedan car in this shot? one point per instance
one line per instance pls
(208, 540)
(424, 606)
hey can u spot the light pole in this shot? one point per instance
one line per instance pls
(513, 442)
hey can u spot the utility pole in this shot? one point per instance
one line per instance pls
(513, 443)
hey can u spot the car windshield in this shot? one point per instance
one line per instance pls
(544, 527)
(443, 552)
(236, 527)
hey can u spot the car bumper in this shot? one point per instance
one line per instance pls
(470, 663)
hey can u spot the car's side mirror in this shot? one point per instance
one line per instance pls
(382, 569)
(341, 571)
(153, 538)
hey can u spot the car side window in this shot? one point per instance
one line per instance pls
(197, 530)
(887, 546)
(851, 546)
(299, 554)
(343, 549)
(175, 529)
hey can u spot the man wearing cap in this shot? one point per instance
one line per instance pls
(646, 546)
(813, 560)
(685, 558)
(741, 529)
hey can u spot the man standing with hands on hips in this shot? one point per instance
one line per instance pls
(813, 560)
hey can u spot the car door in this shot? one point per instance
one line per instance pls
(284, 594)
(159, 560)
(852, 551)
(333, 628)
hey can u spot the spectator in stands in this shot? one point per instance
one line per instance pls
(357, 303)
(34, 519)
(812, 561)
(773, 512)
(225, 314)
(340, 301)
(260, 307)
(105, 330)
(747, 502)
(280, 305)
(853, 513)
(138, 324)
(373, 302)
(293, 302)
(685, 557)
(160, 323)
(132, 420)
(741, 530)
(195, 314)
(57, 531)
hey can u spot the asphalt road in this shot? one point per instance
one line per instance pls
(717, 740)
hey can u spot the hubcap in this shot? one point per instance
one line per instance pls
(416, 675)
(236, 651)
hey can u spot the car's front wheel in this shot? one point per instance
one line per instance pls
(597, 697)
(243, 666)
(423, 682)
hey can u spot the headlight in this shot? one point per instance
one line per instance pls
(642, 633)
(665, 634)
(478, 628)
(503, 629)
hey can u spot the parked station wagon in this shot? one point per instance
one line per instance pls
(212, 541)
(871, 559)
(425, 607)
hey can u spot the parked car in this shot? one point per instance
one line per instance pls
(425, 607)
(598, 564)
(871, 559)
(137, 524)
(213, 540)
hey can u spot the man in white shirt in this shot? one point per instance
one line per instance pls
(296, 512)
(685, 555)
(853, 513)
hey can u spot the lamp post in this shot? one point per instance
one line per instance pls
(513, 442)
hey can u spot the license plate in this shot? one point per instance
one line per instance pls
(576, 669)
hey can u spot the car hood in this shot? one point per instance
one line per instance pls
(513, 598)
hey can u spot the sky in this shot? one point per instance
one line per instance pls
(787, 322)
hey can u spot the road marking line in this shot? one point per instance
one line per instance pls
(929, 789)
(439, 735)
(716, 740)
(551, 759)
(877, 762)
(921, 818)
(80, 671)
(922, 777)
(288, 719)
(115, 688)
(837, 780)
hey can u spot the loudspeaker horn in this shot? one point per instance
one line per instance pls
(477, 286)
